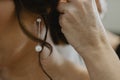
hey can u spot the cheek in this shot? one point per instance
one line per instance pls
(6, 10)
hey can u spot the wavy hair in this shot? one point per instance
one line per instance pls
(48, 10)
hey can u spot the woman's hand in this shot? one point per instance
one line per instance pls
(81, 24)
(83, 29)
(113, 39)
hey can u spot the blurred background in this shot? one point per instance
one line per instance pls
(112, 17)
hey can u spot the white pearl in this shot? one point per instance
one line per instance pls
(38, 20)
(38, 48)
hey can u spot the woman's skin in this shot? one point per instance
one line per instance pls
(18, 60)
(114, 40)
(84, 30)
(102, 8)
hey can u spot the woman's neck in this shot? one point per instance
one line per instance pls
(25, 67)
(18, 60)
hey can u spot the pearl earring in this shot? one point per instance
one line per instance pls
(38, 47)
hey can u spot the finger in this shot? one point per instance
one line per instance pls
(63, 1)
(62, 7)
(66, 1)
(79, 2)
(74, 1)
(62, 20)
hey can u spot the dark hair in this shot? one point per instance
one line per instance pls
(51, 20)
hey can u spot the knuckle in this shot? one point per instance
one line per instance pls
(72, 9)
(62, 20)
(62, 7)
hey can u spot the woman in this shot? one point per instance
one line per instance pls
(68, 52)
(18, 58)
(83, 19)
(18, 61)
